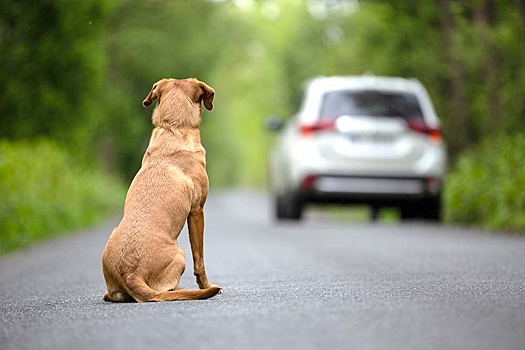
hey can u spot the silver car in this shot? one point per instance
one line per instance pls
(360, 140)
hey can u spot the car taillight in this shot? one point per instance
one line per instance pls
(308, 182)
(434, 135)
(320, 125)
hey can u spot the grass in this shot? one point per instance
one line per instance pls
(44, 191)
(485, 187)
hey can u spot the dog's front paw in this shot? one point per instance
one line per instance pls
(203, 282)
(216, 286)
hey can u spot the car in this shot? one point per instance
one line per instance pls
(364, 140)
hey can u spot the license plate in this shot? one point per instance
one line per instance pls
(371, 138)
(369, 185)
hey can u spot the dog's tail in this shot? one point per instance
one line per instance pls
(141, 292)
(182, 294)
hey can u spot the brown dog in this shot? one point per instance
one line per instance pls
(142, 260)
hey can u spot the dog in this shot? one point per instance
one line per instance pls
(142, 260)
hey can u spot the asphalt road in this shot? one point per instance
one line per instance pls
(316, 285)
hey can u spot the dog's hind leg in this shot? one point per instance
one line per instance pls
(141, 292)
(117, 297)
(168, 274)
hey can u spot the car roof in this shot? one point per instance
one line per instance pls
(364, 82)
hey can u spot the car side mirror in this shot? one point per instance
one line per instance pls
(273, 123)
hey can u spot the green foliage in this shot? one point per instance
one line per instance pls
(52, 62)
(486, 185)
(45, 191)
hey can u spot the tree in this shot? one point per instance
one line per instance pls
(456, 79)
(52, 68)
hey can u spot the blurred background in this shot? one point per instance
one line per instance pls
(74, 74)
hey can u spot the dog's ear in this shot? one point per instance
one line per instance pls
(207, 95)
(153, 94)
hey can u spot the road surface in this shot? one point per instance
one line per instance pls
(319, 284)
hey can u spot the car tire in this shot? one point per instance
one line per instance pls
(288, 207)
(428, 210)
(409, 211)
(431, 209)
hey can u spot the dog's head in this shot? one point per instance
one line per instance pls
(178, 98)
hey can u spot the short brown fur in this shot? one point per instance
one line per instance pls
(142, 260)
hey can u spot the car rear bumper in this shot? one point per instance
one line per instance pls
(368, 190)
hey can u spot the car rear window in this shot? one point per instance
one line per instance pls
(371, 103)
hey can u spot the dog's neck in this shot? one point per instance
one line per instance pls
(166, 143)
(183, 134)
